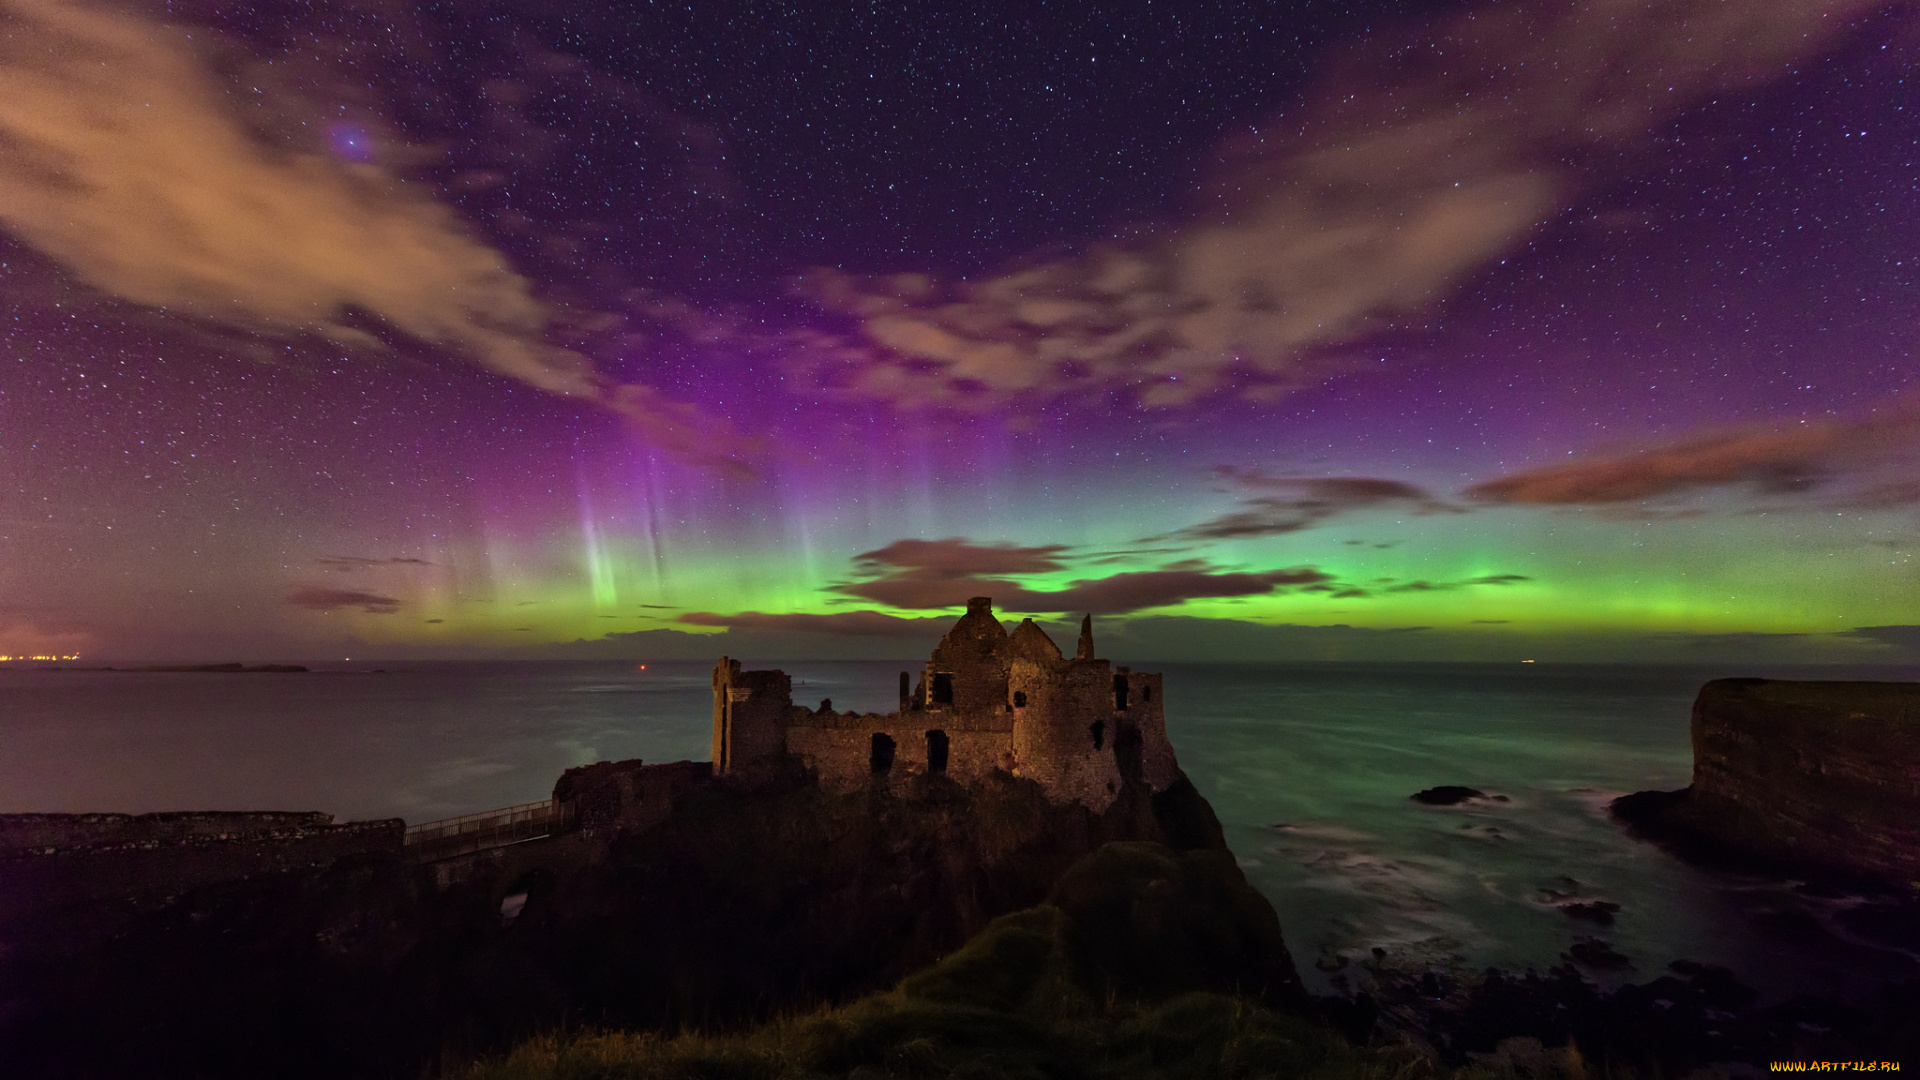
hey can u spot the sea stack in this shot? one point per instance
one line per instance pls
(1815, 775)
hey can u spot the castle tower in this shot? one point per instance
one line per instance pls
(1141, 748)
(1064, 722)
(968, 671)
(749, 715)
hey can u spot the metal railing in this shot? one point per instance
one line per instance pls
(468, 833)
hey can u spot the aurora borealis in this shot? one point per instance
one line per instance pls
(1368, 331)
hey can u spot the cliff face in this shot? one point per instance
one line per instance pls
(744, 900)
(1810, 774)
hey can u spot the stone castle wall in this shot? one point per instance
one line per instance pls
(843, 756)
(610, 796)
(997, 701)
(1064, 735)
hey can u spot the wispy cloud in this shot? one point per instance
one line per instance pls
(121, 159)
(838, 624)
(1795, 459)
(321, 599)
(1416, 159)
(1114, 595)
(958, 556)
(355, 562)
(1286, 504)
(1449, 586)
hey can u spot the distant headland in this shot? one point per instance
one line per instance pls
(209, 669)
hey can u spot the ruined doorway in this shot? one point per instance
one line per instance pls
(881, 760)
(937, 751)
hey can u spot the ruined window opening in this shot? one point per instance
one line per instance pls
(881, 760)
(1099, 731)
(1019, 699)
(1119, 691)
(726, 731)
(937, 751)
(1128, 753)
(1146, 693)
(942, 688)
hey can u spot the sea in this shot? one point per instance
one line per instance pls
(1310, 767)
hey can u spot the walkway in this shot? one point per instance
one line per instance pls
(432, 841)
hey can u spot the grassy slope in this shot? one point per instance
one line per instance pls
(1014, 1002)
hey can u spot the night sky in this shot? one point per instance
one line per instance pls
(1360, 330)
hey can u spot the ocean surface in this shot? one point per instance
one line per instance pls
(1309, 767)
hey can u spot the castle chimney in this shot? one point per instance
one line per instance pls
(981, 605)
(1085, 651)
(904, 698)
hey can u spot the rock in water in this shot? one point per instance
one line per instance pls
(1447, 795)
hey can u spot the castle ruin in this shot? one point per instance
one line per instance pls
(986, 700)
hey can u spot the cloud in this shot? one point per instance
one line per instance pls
(121, 159)
(1887, 495)
(1416, 159)
(957, 556)
(839, 624)
(1449, 586)
(317, 598)
(355, 562)
(1115, 595)
(1797, 459)
(1296, 503)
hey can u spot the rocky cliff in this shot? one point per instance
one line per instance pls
(734, 900)
(1811, 776)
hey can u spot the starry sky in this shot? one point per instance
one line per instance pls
(1364, 330)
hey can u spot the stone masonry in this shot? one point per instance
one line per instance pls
(985, 700)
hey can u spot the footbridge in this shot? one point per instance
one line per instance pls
(432, 841)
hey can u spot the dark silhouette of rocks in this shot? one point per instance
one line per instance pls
(1593, 911)
(231, 669)
(206, 669)
(1452, 795)
(1692, 1016)
(1597, 954)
